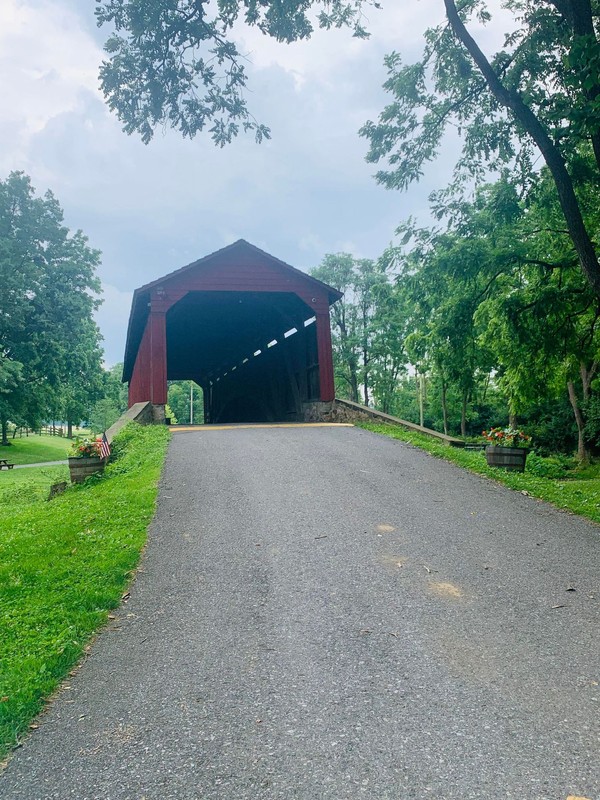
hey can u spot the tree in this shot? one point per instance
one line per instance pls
(445, 276)
(186, 400)
(498, 299)
(388, 352)
(337, 270)
(370, 280)
(103, 415)
(173, 63)
(359, 320)
(48, 282)
(114, 388)
(111, 399)
(543, 325)
(541, 90)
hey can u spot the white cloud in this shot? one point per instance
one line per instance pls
(112, 318)
(48, 62)
(397, 26)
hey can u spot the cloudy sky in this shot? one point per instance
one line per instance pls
(153, 208)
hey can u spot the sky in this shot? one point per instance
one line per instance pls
(151, 209)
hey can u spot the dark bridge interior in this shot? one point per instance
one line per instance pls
(253, 353)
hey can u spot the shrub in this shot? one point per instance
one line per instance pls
(553, 467)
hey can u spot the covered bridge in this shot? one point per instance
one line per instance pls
(252, 331)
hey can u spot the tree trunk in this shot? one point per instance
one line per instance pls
(69, 430)
(348, 355)
(583, 455)
(421, 399)
(512, 419)
(463, 413)
(365, 356)
(5, 442)
(354, 385)
(365, 349)
(387, 396)
(445, 406)
(586, 378)
(582, 20)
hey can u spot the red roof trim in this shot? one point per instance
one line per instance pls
(242, 243)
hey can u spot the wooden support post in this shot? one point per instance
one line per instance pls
(157, 325)
(326, 381)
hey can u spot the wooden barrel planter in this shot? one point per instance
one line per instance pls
(511, 458)
(82, 468)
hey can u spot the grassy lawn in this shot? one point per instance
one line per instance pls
(64, 564)
(33, 448)
(553, 479)
(19, 486)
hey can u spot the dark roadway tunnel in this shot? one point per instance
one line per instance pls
(254, 354)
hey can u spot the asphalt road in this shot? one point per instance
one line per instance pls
(325, 613)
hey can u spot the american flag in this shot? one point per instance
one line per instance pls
(104, 447)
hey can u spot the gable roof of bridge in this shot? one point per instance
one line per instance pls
(238, 247)
(139, 305)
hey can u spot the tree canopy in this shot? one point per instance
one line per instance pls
(50, 356)
(173, 62)
(478, 320)
(539, 92)
(176, 63)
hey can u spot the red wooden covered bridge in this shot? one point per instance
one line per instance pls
(252, 331)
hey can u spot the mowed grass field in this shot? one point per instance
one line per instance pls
(18, 486)
(64, 565)
(33, 449)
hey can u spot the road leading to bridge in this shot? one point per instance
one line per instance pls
(325, 613)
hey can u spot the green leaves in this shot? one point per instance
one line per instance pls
(49, 343)
(540, 91)
(367, 327)
(172, 63)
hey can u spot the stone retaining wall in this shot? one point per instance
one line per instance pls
(347, 411)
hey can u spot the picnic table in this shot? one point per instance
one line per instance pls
(4, 462)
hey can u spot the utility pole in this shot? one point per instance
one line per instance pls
(191, 402)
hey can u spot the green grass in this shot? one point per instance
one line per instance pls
(33, 449)
(555, 480)
(20, 486)
(63, 565)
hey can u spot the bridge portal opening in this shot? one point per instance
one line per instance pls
(186, 403)
(249, 329)
(253, 353)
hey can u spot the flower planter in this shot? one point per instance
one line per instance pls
(511, 458)
(82, 468)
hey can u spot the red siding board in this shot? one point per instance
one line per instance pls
(139, 386)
